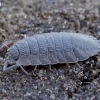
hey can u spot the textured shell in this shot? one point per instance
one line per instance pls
(53, 48)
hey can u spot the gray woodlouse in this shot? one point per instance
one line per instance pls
(51, 48)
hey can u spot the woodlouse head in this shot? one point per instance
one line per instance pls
(4, 46)
(13, 54)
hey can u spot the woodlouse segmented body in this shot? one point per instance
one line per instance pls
(52, 48)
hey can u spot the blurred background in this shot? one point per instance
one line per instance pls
(41, 16)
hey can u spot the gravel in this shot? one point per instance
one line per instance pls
(20, 18)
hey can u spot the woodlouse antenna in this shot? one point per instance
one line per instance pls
(6, 45)
(6, 68)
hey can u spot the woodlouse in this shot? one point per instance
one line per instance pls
(51, 48)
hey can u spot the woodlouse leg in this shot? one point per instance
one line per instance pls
(68, 65)
(49, 67)
(35, 68)
(23, 70)
(5, 68)
(78, 64)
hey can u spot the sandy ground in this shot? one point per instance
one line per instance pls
(19, 18)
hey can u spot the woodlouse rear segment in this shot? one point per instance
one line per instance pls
(52, 48)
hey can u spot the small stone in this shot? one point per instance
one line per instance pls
(4, 91)
(85, 77)
(40, 73)
(35, 87)
(28, 94)
(81, 17)
(52, 96)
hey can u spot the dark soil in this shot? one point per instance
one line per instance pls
(20, 18)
